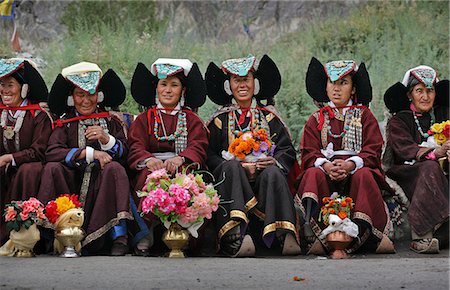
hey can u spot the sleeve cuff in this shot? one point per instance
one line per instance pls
(143, 163)
(358, 162)
(13, 162)
(89, 154)
(108, 145)
(319, 162)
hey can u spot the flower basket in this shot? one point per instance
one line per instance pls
(21, 218)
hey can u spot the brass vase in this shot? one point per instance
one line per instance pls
(176, 238)
(70, 239)
(338, 242)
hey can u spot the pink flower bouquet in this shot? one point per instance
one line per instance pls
(23, 213)
(184, 199)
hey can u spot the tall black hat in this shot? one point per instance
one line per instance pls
(24, 71)
(145, 81)
(318, 74)
(267, 78)
(88, 77)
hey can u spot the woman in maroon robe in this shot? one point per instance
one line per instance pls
(340, 152)
(415, 154)
(168, 134)
(24, 132)
(85, 154)
(257, 200)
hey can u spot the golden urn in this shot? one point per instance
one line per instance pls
(176, 238)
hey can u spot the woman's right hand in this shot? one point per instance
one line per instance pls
(154, 164)
(102, 157)
(442, 151)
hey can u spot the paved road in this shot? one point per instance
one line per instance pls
(404, 270)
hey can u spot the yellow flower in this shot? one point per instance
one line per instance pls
(64, 204)
(440, 138)
(437, 127)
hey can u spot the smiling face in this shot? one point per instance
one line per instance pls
(10, 90)
(340, 91)
(169, 91)
(84, 102)
(243, 89)
(422, 97)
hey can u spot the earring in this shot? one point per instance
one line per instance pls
(257, 87)
(70, 102)
(100, 97)
(24, 91)
(182, 101)
(226, 87)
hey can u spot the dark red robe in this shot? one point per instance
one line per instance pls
(107, 198)
(423, 182)
(363, 186)
(22, 181)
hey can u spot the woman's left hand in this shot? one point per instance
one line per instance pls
(172, 164)
(5, 159)
(263, 163)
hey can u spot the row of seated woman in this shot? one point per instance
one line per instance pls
(69, 141)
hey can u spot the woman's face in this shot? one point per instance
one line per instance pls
(243, 89)
(169, 91)
(10, 90)
(422, 97)
(340, 91)
(84, 102)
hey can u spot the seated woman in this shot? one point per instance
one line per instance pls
(255, 190)
(415, 154)
(24, 131)
(340, 152)
(168, 134)
(85, 154)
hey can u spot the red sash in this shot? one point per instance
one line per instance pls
(60, 123)
(32, 108)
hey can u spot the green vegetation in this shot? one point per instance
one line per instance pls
(389, 36)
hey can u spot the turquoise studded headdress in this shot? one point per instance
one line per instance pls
(340, 68)
(239, 66)
(166, 67)
(9, 66)
(84, 75)
(423, 74)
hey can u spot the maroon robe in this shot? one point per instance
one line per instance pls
(370, 211)
(143, 145)
(107, 197)
(21, 182)
(423, 182)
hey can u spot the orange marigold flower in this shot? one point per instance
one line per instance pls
(344, 203)
(326, 199)
(240, 133)
(331, 211)
(342, 214)
(348, 199)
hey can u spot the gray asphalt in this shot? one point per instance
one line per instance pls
(404, 270)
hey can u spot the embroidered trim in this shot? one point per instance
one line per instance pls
(251, 204)
(310, 195)
(218, 123)
(259, 213)
(226, 227)
(102, 230)
(278, 225)
(238, 214)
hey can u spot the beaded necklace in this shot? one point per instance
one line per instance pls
(346, 125)
(254, 121)
(180, 130)
(424, 135)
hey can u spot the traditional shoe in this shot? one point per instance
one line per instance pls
(386, 246)
(247, 248)
(232, 245)
(425, 246)
(119, 249)
(141, 252)
(290, 246)
(316, 249)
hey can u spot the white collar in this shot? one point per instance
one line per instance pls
(15, 114)
(172, 112)
(350, 102)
